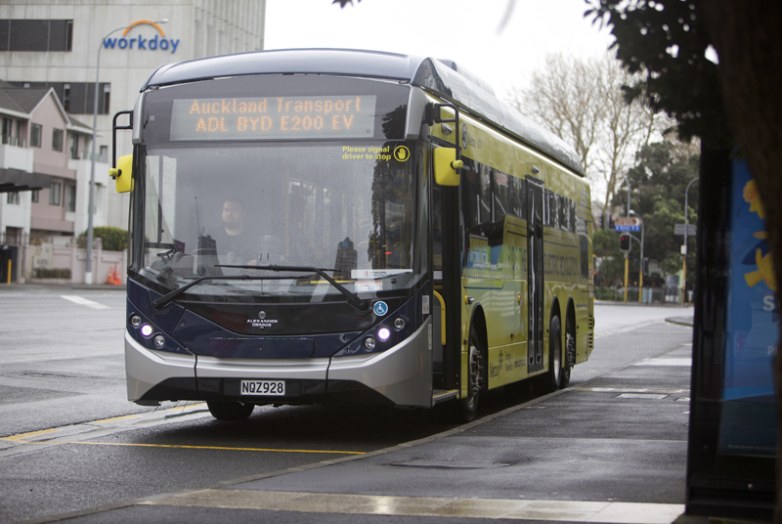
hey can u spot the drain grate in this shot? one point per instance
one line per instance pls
(642, 396)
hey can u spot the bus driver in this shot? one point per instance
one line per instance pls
(234, 243)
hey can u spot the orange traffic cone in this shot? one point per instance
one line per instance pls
(113, 277)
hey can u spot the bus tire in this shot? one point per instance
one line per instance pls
(555, 370)
(475, 373)
(229, 410)
(569, 358)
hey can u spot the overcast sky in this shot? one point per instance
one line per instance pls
(504, 51)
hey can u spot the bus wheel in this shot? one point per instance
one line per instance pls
(475, 365)
(226, 410)
(570, 353)
(555, 354)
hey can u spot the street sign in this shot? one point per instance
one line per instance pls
(627, 224)
(678, 229)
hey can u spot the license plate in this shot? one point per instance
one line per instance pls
(274, 388)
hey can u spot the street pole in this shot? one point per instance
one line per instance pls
(627, 273)
(88, 278)
(641, 265)
(627, 255)
(685, 245)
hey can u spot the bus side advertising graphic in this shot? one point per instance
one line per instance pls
(748, 420)
(137, 42)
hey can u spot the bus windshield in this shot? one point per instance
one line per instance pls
(222, 210)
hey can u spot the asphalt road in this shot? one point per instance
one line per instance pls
(69, 441)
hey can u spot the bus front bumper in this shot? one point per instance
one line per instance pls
(400, 376)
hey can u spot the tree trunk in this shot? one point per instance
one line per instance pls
(746, 37)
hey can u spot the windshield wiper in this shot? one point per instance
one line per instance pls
(164, 300)
(353, 299)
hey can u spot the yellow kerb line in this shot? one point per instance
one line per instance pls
(20, 437)
(221, 448)
(115, 419)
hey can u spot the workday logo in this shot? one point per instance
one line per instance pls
(159, 42)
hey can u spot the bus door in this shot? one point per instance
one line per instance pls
(535, 273)
(447, 258)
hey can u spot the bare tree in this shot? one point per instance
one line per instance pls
(582, 101)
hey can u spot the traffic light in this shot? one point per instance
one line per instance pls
(624, 242)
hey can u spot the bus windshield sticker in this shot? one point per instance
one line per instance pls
(371, 274)
(375, 153)
(369, 286)
(276, 117)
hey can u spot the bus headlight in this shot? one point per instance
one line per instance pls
(151, 336)
(146, 330)
(386, 334)
(383, 334)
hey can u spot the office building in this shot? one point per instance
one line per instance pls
(55, 49)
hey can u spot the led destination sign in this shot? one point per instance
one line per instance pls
(273, 117)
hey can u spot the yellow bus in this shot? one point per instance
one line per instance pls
(347, 227)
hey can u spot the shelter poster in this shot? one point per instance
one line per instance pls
(747, 425)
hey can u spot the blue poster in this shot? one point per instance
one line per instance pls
(747, 424)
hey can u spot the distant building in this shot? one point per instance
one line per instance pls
(52, 49)
(42, 154)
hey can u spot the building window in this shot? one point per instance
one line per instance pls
(70, 197)
(35, 135)
(105, 101)
(73, 145)
(66, 97)
(8, 125)
(13, 198)
(36, 35)
(35, 196)
(55, 194)
(57, 139)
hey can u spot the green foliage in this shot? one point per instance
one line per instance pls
(609, 293)
(667, 41)
(609, 262)
(113, 238)
(52, 272)
(659, 180)
(605, 243)
(610, 272)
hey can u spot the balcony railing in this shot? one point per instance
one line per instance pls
(13, 141)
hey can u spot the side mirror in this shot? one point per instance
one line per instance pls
(446, 166)
(123, 174)
(439, 113)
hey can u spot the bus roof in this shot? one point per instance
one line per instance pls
(443, 77)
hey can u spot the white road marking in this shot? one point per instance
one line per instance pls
(76, 299)
(665, 361)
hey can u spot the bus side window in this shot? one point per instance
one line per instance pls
(476, 197)
(486, 215)
(470, 192)
(501, 202)
(517, 198)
